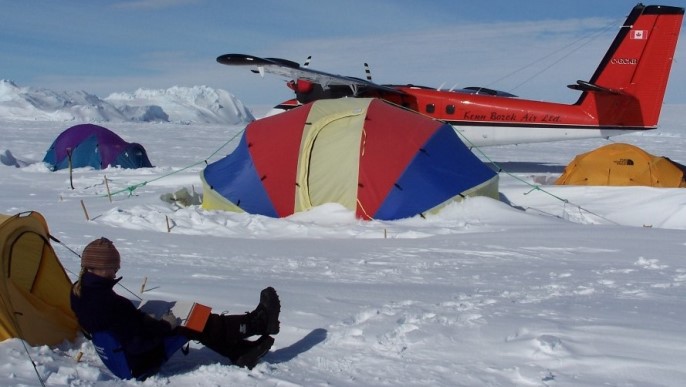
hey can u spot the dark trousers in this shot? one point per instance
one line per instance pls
(224, 334)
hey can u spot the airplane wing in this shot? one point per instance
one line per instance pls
(293, 71)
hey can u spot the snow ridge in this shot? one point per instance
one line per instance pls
(197, 104)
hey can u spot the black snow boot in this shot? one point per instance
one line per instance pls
(253, 351)
(264, 320)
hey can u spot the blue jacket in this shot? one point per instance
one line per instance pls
(101, 309)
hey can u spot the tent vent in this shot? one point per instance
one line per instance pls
(624, 162)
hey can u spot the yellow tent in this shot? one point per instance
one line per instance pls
(623, 165)
(34, 288)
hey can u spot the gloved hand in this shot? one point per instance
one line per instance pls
(171, 319)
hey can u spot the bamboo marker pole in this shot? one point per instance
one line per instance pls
(71, 181)
(79, 356)
(84, 210)
(167, 219)
(109, 194)
(145, 281)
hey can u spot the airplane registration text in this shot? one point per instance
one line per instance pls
(624, 61)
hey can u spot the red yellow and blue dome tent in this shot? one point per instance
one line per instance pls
(377, 159)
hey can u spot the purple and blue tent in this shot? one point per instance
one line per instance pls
(94, 146)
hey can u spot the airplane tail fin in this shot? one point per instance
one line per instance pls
(628, 87)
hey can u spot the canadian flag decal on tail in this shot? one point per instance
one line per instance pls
(639, 34)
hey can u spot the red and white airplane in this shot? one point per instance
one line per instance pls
(624, 94)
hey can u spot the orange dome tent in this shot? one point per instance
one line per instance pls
(34, 287)
(623, 165)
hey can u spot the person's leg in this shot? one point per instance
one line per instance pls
(219, 335)
(221, 332)
(225, 334)
(247, 353)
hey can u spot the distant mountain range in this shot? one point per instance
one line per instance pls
(197, 104)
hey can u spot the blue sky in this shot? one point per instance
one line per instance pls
(533, 48)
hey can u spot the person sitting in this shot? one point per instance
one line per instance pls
(99, 308)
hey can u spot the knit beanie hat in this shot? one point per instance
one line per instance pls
(100, 254)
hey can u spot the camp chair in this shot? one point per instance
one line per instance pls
(112, 354)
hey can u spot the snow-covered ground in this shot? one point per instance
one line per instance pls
(531, 290)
